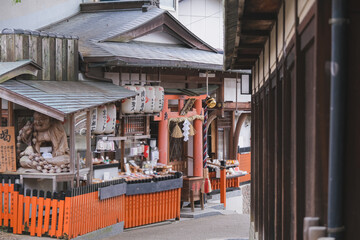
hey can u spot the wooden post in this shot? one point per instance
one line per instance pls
(10, 121)
(198, 142)
(164, 134)
(122, 124)
(72, 146)
(88, 147)
(223, 184)
(0, 112)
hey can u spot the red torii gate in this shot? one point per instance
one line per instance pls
(163, 118)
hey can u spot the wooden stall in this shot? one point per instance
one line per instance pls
(71, 145)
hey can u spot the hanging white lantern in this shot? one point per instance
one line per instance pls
(150, 99)
(159, 99)
(110, 119)
(93, 119)
(140, 99)
(129, 105)
(101, 120)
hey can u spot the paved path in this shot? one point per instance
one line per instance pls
(229, 226)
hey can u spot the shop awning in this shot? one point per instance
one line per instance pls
(59, 98)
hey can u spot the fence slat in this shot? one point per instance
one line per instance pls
(54, 209)
(33, 213)
(1, 202)
(20, 211)
(6, 204)
(47, 204)
(13, 207)
(27, 210)
(40, 214)
(61, 204)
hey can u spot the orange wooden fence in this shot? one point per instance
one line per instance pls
(152, 207)
(8, 202)
(80, 210)
(245, 165)
(85, 212)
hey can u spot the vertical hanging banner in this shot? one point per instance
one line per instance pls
(7, 149)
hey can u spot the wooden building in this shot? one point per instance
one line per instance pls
(137, 43)
(288, 46)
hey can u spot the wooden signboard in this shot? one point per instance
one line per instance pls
(7, 149)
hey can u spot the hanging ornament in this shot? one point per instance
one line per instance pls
(210, 102)
(177, 133)
(186, 129)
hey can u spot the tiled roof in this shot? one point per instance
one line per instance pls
(95, 28)
(62, 97)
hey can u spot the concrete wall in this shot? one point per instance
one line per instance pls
(205, 19)
(33, 14)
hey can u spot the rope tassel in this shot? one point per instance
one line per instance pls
(177, 133)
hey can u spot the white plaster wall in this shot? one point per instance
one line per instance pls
(173, 11)
(230, 91)
(34, 14)
(4, 104)
(273, 49)
(245, 133)
(158, 37)
(303, 8)
(266, 60)
(261, 69)
(256, 76)
(205, 19)
(289, 20)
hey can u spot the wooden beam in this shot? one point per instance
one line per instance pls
(239, 105)
(154, 25)
(259, 16)
(252, 57)
(185, 35)
(250, 46)
(255, 33)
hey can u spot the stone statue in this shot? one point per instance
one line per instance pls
(44, 129)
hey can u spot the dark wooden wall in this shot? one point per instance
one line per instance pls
(56, 54)
(290, 124)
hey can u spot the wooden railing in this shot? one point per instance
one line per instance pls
(230, 182)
